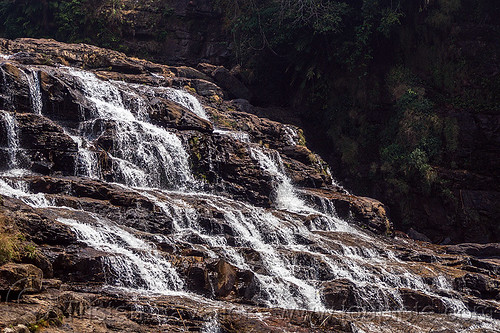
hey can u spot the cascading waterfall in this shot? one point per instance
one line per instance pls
(134, 262)
(143, 155)
(35, 92)
(146, 157)
(12, 137)
(285, 197)
(188, 101)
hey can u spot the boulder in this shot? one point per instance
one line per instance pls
(72, 304)
(227, 81)
(20, 278)
(225, 278)
(417, 301)
(338, 295)
(172, 115)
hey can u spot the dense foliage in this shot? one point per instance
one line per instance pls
(383, 81)
(90, 21)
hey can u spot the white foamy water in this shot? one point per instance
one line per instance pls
(35, 92)
(286, 196)
(12, 138)
(134, 263)
(188, 101)
(237, 135)
(143, 154)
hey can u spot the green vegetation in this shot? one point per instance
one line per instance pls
(380, 82)
(89, 21)
(46, 322)
(13, 244)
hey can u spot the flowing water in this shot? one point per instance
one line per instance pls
(294, 259)
(12, 148)
(35, 92)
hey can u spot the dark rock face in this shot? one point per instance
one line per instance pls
(172, 115)
(20, 278)
(421, 302)
(339, 295)
(46, 145)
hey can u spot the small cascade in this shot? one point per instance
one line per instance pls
(211, 326)
(35, 92)
(286, 197)
(256, 229)
(20, 190)
(133, 263)
(12, 138)
(87, 161)
(237, 135)
(143, 155)
(188, 101)
(292, 137)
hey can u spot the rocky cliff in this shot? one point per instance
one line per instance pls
(139, 197)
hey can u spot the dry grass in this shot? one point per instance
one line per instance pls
(9, 241)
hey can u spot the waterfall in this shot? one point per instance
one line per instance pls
(292, 137)
(188, 101)
(211, 326)
(134, 263)
(35, 92)
(143, 155)
(12, 138)
(286, 196)
(237, 135)
(294, 258)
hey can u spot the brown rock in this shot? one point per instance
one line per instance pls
(20, 278)
(72, 304)
(226, 278)
(419, 302)
(338, 294)
(169, 114)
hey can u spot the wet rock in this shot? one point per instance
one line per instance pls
(478, 285)
(62, 102)
(476, 250)
(80, 265)
(419, 302)
(225, 279)
(413, 234)
(338, 295)
(40, 228)
(14, 91)
(20, 278)
(369, 213)
(72, 304)
(172, 115)
(48, 147)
